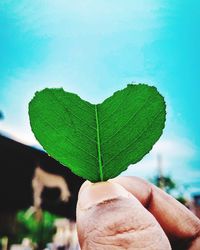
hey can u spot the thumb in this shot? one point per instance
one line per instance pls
(109, 217)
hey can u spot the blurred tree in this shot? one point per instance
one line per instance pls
(167, 184)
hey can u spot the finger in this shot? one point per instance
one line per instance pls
(178, 222)
(109, 217)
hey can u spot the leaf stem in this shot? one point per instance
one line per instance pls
(98, 145)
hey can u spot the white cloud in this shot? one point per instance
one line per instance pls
(176, 154)
(51, 17)
(19, 134)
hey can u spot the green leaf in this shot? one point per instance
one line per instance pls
(98, 142)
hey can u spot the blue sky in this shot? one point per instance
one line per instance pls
(94, 48)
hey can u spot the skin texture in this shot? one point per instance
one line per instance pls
(130, 213)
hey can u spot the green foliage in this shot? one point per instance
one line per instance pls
(40, 232)
(98, 142)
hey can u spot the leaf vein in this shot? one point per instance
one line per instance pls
(99, 144)
(124, 125)
(68, 110)
(65, 137)
(115, 111)
(143, 132)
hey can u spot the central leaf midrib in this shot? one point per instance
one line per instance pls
(98, 144)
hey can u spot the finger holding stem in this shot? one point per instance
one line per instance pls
(110, 217)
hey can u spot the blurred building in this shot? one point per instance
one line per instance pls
(31, 178)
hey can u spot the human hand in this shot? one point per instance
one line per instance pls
(130, 213)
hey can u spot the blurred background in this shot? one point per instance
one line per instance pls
(92, 48)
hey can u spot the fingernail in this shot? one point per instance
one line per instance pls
(96, 193)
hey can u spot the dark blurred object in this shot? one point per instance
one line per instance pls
(17, 165)
(1, 115)
(195, 204)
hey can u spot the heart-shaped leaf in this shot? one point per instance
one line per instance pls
(98, 142)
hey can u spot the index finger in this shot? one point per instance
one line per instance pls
(180, 224)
